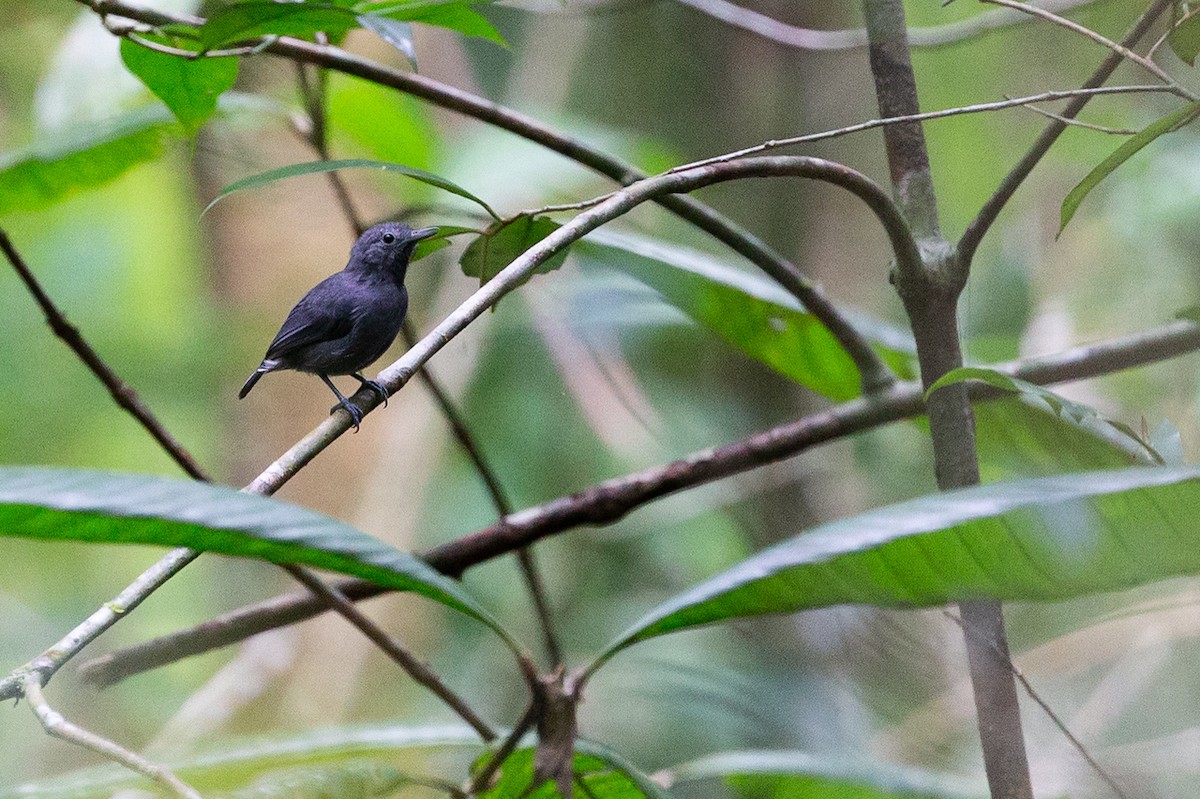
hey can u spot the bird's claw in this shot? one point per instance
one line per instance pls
(378, 389)
(356, 415)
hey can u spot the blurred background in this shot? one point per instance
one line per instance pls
(582, 375)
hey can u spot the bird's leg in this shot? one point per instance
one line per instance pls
(371, 384)
(355, 413)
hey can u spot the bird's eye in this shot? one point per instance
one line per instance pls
(388, 238)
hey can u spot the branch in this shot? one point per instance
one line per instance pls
(979, 226)
(54, 724)
(612, 500)
(809, 39)
(874, 372)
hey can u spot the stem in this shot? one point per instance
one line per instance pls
(614, 499)
(930, 293)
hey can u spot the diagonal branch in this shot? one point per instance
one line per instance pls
(612, 500)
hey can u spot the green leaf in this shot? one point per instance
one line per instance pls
(800, 775)
(503, 242)
(748, 311)
(320, 167)
(1044, 539)
(101, 507)
(604, 774)
(1184, 38)
(442, 239)
(233, 23)
(455, 15)
(55, 168)
(190, 88)
(1071, 412)
(239, 762)
(395, 32)
(1173, 121)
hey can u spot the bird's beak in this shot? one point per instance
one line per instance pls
(423, 233)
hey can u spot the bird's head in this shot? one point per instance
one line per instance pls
(387, 247)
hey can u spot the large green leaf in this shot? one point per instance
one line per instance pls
(603, 773)
(801, 775)
(239, 762)
(54, 169)
(190, 88)
(1043, 539)
(1167, 124)
(78, 505)
(749, 311)
(455, 15)
(319, 167)
(239, 21)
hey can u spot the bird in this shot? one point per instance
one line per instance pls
(349, 319)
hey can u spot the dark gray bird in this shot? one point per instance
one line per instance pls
(349, 319)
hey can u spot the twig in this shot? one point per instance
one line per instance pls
(874, 372)
(1174, 26)
(124, 396)
(483, 778)
(977, 108)
(979, 226)
(1080, 123)
(1036, 697)
(1087, 32)
(56, 725)
(420, 672)
(612, 500)
(809, 39)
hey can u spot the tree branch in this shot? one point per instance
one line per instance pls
(612, 500)
(979, 226)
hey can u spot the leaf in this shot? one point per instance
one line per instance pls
(101, 507)
(1167, 124)
(1033, 540)
(320, 167)
(801, 774)
(604, 773)
(1074, 413)
(249, 20)
(190, 88)
(56, 168)
(442, 239)
(455, 15)
(395, 32)
(235, 763)
(503, 243)
(1184, 38)
(748, 311)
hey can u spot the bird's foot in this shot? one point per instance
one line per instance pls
(378, 389)
(356, 415)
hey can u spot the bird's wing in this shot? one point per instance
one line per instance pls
(323, 314)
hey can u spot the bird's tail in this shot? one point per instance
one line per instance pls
(254, 378)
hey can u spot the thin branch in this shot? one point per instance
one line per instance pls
(979, 226)
(1045, 706)
(483, 778)
(1081, 124)
(1083, 30)
(121, 393)
(612, 500)
(809, 39)
(56, 725)
(420, 672)
(977, 108)
(874, 372)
